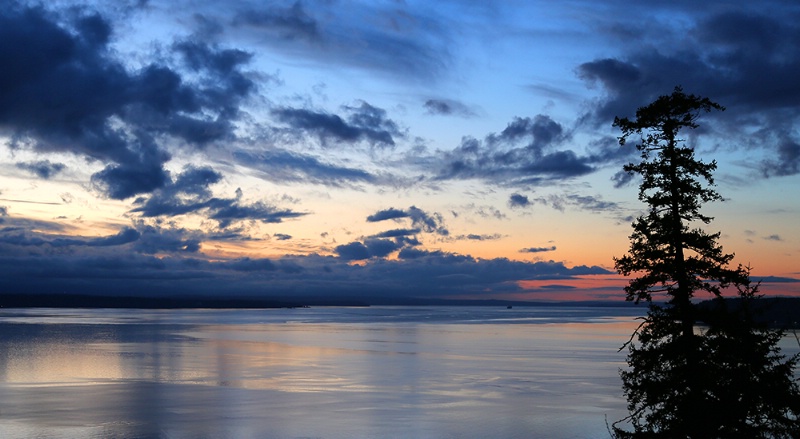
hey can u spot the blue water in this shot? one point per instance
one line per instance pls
(378, 372)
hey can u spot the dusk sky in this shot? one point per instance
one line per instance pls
(379, 149)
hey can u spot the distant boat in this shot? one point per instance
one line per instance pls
(509, 307)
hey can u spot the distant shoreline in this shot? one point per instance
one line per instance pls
(66, 300)
(779, 312)
(90, 301)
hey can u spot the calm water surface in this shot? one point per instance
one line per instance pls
(379, 372)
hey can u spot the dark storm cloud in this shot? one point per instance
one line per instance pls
(743, 58)
(64, 89)
(448, 107)
(292, 167)
(525, 152)
(552, 248)
(42, 168)
(364, 123)
(189, 193)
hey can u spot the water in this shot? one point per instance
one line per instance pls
(379, 372)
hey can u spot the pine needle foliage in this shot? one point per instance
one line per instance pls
(728, 379)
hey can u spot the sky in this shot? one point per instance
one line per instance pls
(377, 150)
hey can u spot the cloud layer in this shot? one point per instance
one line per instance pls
(193, 116)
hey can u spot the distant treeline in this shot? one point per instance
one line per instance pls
(775, 312)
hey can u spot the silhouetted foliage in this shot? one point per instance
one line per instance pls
(728, 380)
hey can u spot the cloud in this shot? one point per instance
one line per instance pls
(226, 211)
(786, 163)
(370, 248)
(418, 275)
(159, 240)
(364, 123)
(773, 238)
(776, 279)
(144, 173)
(540, 132)
(66, 90)
(387, 214)
(43, 169)
(354, 251)
(142, 238)
(525, 152)
(475, 237)
(448, 107)
(167, 261)
(517, 200)
(282, 236)
(428, 223)
(583, 202)
(552, 248)
(390, 40)
(622, 179)
(385, 243)
(292, 167)
(189, 193)
(724, 54)
(489, 212)
(396, 233)
(292, 23)
(19, 237)
(127, 235)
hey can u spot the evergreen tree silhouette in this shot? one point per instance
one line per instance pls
(729, 380)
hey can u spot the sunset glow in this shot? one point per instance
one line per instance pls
(376, 151)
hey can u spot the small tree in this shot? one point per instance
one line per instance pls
(753, 384)
(680, 381)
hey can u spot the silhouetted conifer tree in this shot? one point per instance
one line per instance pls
(726, 381)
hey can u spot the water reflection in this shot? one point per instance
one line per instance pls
(328, 373)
